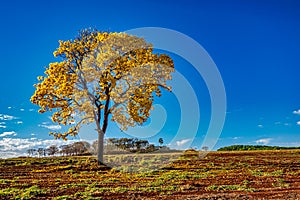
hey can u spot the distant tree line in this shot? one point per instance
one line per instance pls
(253, 147)
(111, 146)
(133, 145)
(74, 149)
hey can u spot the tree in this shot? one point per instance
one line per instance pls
(31, 152)
(52, 150)
(79, 148)
(205, 148)
(67, 150)
(160, 141)
(94, 147)
(41, 152)
(130, 144)
(102, 76)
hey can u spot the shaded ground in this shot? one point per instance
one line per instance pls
(219, 175)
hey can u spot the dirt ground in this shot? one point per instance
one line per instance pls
(218, 175)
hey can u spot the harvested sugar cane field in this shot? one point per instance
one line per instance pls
(219, 175)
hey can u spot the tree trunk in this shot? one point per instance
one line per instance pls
(100, 146)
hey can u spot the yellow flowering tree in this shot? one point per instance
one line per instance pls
(102, 76)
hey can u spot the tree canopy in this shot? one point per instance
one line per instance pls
(102, 74)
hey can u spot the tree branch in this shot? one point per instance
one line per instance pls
(106, 110)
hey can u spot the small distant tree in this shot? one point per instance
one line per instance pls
(94, 147)
(41, 152)
(143, 144)
(52, 150)
(160, 141)
(31, 152)
(80, 147)
(205, 148)
(102, 76)
(151, 148)
(66, 150)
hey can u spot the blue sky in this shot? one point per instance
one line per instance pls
(255, 45)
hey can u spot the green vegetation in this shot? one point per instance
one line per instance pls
(230, 187)
(263, 173)
(281, 183)
(26, 193)
(254, 147)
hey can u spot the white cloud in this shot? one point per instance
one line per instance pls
(263, 141)
(6, 117)
(283, 124)
(32, 134)
(51, 127)
(13, 147)
(289, 144)
(9, 107)
(2, 125)
(22, 109)
(181, 143)
(298, 123)
(236, 138)
(19, 122)
(296, 112)
(260, 126)
(31, 110)
(8, 133)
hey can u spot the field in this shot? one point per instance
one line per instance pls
(218, 175)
